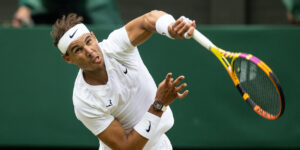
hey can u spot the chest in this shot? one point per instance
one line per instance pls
(123, 84)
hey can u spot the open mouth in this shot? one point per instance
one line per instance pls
(96, 59)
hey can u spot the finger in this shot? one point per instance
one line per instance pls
(194, 24)
(168, 77)
(171, 80)
(184, 94)
(184, 28)
(190, 31)
(177, 81)
(182, 86)
(178, 21)
(178, 27)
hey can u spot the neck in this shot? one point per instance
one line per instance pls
(98, 77)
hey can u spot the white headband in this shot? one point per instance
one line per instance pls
(71, 35)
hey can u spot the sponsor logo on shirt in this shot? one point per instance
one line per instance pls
(148, 130)
(110, 103)
(125, 71)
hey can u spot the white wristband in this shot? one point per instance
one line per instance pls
(147, 126)
(163, 23)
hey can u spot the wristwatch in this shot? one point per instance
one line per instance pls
(159, 106)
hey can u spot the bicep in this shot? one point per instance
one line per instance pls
(115, 137)
(141, 28)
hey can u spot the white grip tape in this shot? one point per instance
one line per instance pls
(203, 40)
(147, 126)
(187, 36)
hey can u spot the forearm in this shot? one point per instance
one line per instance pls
(120, 140)
(141, 28)
(116, 138)
(138, 138)
(150, 20)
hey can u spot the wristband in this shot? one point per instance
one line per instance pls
(147, 126)
(162, 25)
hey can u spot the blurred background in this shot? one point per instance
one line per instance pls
(36, 108)
(203, 11)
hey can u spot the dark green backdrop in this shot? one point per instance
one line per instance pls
(36, 89)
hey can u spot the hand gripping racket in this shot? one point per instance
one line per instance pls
(255, 81)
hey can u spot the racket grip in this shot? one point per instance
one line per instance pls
(203, 40)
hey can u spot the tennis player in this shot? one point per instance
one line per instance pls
(114, 95)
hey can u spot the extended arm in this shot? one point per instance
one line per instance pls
(141, 28)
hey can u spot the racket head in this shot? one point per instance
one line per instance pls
(258, 85)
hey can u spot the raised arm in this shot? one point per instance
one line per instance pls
(141, 28)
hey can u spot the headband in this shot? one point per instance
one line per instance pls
(71, 35)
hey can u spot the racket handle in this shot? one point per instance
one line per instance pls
(203, 40)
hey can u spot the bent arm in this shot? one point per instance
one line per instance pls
(115, 136)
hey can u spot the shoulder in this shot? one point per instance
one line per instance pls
(84, 95)
(93, 116)
(117, 41)
(90, 105)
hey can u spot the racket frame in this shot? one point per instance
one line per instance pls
(222, 55)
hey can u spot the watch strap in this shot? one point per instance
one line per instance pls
(164, 108)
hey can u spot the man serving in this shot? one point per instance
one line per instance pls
(114, 95)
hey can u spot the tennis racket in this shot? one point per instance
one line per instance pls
(255, 81)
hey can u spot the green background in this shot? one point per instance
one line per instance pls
(36, 106)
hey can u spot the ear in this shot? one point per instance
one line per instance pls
(66, 58)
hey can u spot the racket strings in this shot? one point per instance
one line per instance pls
(258, 85)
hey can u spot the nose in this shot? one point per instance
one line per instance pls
(88, 51)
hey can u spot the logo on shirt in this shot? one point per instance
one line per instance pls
(125, 71)
(110, 104)
(148, 130)
(71, 36)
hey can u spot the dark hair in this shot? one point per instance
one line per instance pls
(63, 24)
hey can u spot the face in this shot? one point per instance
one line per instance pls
(85, 53)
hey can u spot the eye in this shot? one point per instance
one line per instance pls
(88, 42)
(77, 50)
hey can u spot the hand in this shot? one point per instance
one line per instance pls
(180, 27)
(22, 17)
(167, 91)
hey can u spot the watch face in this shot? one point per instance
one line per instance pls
(157, 105)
